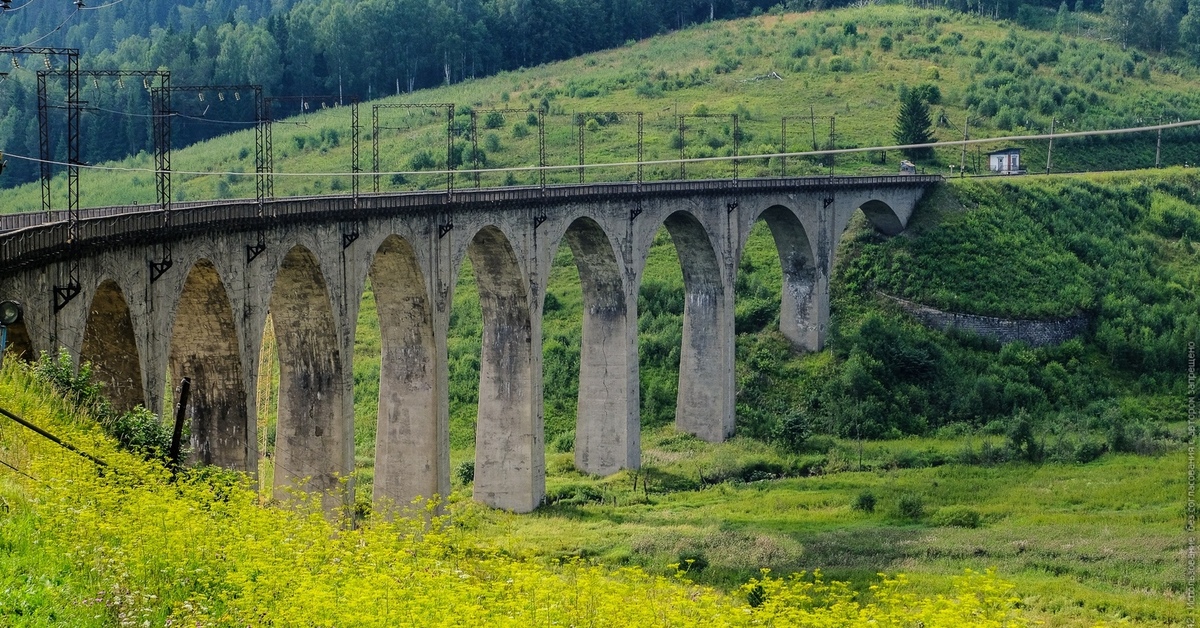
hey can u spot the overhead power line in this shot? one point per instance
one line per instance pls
(658, 162)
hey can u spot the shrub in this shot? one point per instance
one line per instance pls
(422, 160)
(493, 120)
(794, 430)
(519, 130)
(492, 142)
(910, 507)
(1089, 450)
(563, 443)
(140, 431)
(957, 517)
(464, 473)
(864, 502)
(692, 561)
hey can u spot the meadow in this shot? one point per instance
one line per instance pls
(118, 540)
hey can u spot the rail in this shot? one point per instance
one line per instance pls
(35, 238)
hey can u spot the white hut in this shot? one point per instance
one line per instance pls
(1005, 161)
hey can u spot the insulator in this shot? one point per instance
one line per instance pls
(46, 60)
(95, 82)
(304, 105)
(5, 5)
(79, 4)
(120, 82)
(15, 63)
(200, 95)
(237, 96)
(146, 83)
(221, 96)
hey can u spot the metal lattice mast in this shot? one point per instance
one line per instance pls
(73, 107)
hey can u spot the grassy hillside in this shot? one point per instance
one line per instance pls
(126, 544)
(848, 64)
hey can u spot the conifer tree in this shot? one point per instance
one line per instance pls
(913, 125)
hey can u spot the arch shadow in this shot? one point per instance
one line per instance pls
(704, 404)
(803, 312)
(205, 349)
(110, 346)
(310, 435)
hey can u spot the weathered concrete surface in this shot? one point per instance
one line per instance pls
(407, 441)
(204, 347)
(205, 318)
(110, 347)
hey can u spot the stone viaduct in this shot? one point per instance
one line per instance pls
(102, 288)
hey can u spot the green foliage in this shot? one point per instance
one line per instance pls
(422, 160)
(493, 120)
(137, 430)
(957, 517)
(910, 506)
(464, 473)
(794, 430)
(913, 125)
(865, 502)
(491, 142)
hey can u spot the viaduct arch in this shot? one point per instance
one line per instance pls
(306, 262)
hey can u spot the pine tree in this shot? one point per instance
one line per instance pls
(913, 125)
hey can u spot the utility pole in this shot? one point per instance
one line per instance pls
(1158, 147)
(1050, 147)
(812, 117)
(832, 141)
(962, 160)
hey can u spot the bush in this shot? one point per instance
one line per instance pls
(464, 473)
(493, 120)
(692, 561)
(492, 142)
(519, 130)
(563, 443)
(422, 160)
(864, 502)
(957, 517)
(910, 507)
(794, 430)
(1089, 450)
(140, 431)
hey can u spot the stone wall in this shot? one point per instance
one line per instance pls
(1035, 333)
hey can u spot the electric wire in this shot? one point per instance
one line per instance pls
(103, 6)
(656, 162)
(20, 7)
(56, 29)
(2, 462)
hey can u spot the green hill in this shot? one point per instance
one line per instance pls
(848, 64)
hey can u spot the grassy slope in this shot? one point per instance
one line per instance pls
(1084, 83)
